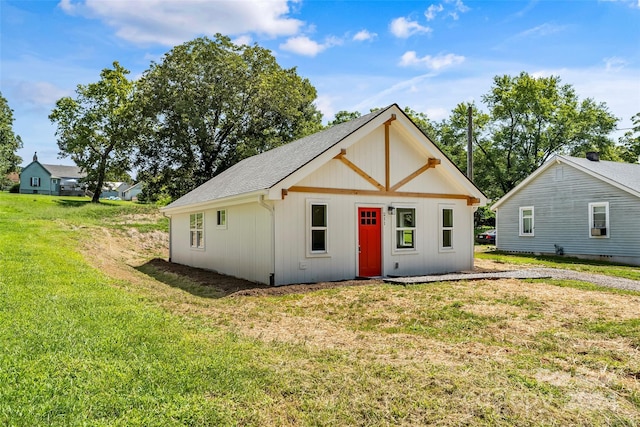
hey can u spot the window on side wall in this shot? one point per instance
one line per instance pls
(599, 220)
(221, 218)
(405, 228)
(196, 230)
(526, 221)
(319, 226)
(446, 228)
(35, 181)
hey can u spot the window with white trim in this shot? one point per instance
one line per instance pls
(446, 227)
(319, 226)
(196, 230)
(405, 228)
(35, 181)
(221, 218)
(599, 220)
(526, 221)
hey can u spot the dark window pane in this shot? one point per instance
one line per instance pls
(318, 240)
(447, 217)
(318, 216)
(446, 238)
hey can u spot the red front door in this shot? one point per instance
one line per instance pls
(369, 242)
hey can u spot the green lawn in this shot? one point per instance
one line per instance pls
(79, 347)
(566, 262)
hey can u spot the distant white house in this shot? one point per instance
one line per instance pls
(131, 192)
(583, 207)
(370, 197)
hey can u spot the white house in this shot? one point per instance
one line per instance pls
(370, 197)
(582, 207)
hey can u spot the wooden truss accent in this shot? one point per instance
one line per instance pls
(324, 190)
(431, 163)
(387, 149)
(382, 190)
(357, 170)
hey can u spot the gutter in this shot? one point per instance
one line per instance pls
(271, 210)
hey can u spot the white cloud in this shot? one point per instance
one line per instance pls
(242, 40)
(170, 22)
(364, 35)
(403, 28)
(41, 94)
(303, 45)
(614, 63)
(432, 10)
(541, 30)
(435, 63)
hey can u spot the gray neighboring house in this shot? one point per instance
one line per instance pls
(580, 207)
(53, 180)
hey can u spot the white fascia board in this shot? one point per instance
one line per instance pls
(240, 199)
(275, 192)
(431, 149)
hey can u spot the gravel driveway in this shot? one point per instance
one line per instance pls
(530, 273)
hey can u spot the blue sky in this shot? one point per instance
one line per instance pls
(428, 55)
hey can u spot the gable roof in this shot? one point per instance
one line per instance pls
(263, 171)
(61, 171)
(625, 176)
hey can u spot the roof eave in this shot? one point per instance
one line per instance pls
(237, 199)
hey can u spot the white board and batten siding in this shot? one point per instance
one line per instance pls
(268, 199)
(294, 263)
(241, 249)
(560, 197)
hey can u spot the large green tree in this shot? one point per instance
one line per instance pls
(208, 104)
(10, 143)
(529, 119)
(98, 128)
(630, 142)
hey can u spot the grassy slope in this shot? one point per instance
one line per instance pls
(75, 349)
(79, 347)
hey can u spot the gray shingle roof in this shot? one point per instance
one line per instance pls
(60, 171)
(625, 174)
(262, 171)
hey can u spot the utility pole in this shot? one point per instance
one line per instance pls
(470, 143)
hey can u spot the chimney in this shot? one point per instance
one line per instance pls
(594, 156)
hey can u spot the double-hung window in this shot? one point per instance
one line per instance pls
(196, 229)
(405, 228)
(35, 181)
(526, 221)
(221, 218)
(599, 219)
(446, 228)
(318, 229)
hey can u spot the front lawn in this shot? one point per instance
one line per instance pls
(87, 339)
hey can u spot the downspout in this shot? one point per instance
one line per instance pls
(271, 209)
(170, 240)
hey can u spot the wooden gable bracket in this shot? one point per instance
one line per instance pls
(357, 170)
(386, 152)
(431, 163)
